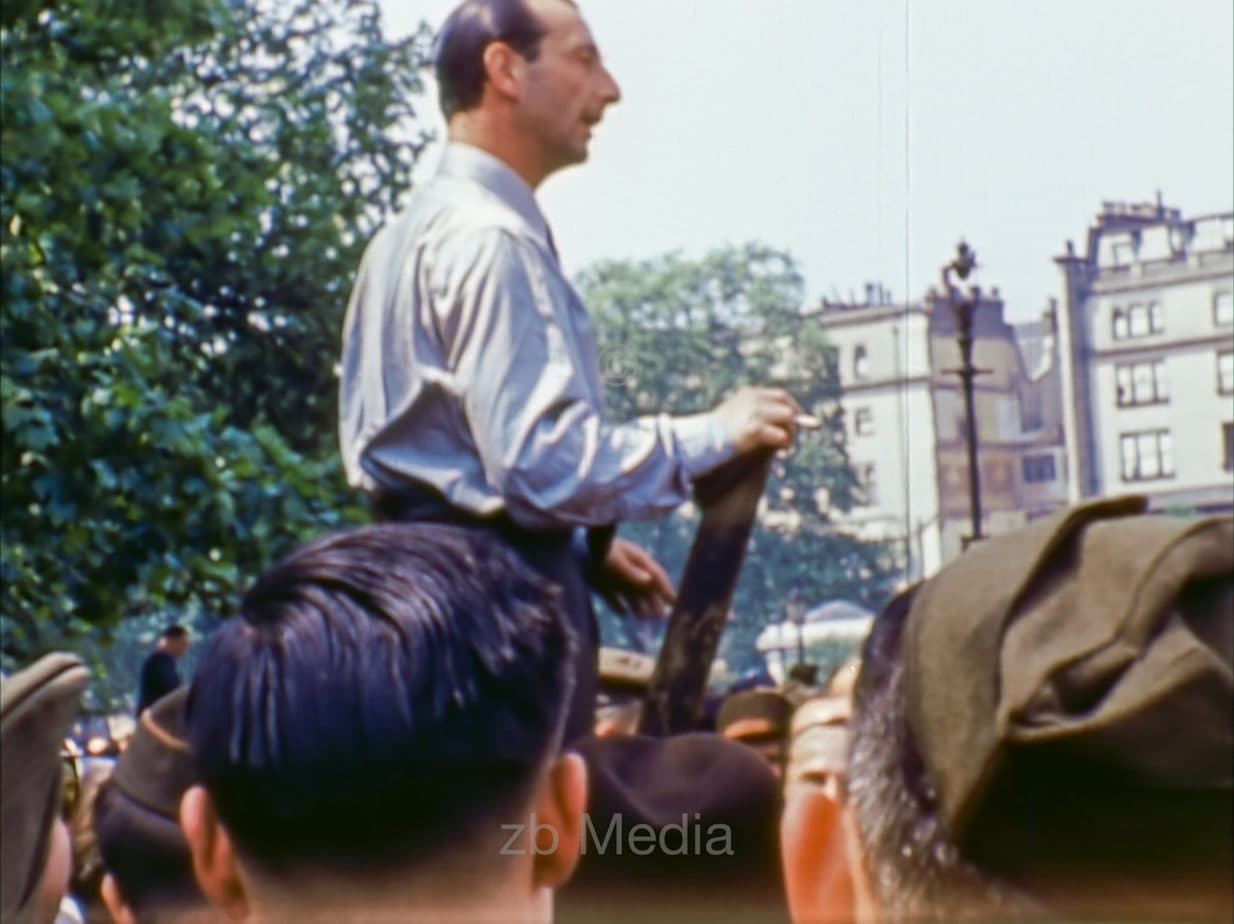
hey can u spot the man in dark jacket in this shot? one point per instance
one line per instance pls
(158, 672)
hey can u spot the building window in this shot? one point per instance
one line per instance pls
(1227, 455)
(861, 363)
(1038, 469)
(1141, 383)
(1137, 321)
(867, 484)
(1225, 373)
(863, 422)
(1223, 309)
(1147, 455)
(1120, 324)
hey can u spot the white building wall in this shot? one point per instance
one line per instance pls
(890, 388)
(1180, 266)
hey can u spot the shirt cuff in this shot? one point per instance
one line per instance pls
(702, 442)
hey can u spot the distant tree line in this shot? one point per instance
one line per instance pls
(677, 335)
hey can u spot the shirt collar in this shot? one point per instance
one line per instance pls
(465, 162)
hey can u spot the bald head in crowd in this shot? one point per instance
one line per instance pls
(389, 703)
(1044, 729)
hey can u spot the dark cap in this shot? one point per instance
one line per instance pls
(754, 713)
(157, 768)
(37, 708)
(685, 788)
(1083, 660)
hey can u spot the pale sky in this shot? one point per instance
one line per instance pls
(866, 137)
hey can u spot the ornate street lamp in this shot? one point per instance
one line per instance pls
(964, 307)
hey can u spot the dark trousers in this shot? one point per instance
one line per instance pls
(551, 553)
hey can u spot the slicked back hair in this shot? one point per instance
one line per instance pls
(458, 56)
(386, 696)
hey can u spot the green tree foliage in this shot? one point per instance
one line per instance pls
(678, 335)
(186, 189)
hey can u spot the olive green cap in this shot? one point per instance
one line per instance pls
(1090, 649)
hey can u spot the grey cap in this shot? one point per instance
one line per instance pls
(37, 708)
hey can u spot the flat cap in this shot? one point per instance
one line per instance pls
(1079, 669)
(37, 708)
(157, 767)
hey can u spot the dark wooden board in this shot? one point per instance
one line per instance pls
(729, 499)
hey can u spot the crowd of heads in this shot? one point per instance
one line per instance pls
(1044, 728)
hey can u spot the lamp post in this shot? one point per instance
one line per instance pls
(964, 307)
(795, 607)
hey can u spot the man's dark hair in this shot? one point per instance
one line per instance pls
(385, 696)
(174, 632)
(458, 57)
(146, 854)
(915, 872)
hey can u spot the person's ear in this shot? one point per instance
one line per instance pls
(110, 893)
(558, 834)
(817, 871)
(214, 860)
(504, 69)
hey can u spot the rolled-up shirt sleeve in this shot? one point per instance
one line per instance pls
(521, 356)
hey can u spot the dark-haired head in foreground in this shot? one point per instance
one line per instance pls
(1044, 729)
(387, 700)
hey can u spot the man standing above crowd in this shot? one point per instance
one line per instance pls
(158, 672)
(471, 390)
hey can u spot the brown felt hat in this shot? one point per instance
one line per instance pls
(754, 713)
(37, 708)
(157, 768)
(1074, 678)
(689, 786)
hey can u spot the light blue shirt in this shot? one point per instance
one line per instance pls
(470, 365)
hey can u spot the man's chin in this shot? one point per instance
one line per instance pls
(571, 159)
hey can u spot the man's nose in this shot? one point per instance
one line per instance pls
(611, 92)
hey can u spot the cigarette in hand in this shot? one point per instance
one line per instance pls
(808, 422)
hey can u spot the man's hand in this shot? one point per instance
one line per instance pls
(759, 418)
(633, 583)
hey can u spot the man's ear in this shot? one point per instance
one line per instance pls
(503, 68)
(558, 811)
(110, 893)
(214, 860)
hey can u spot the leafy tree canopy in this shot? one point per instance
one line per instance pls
(677, 335)
(186, 189)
